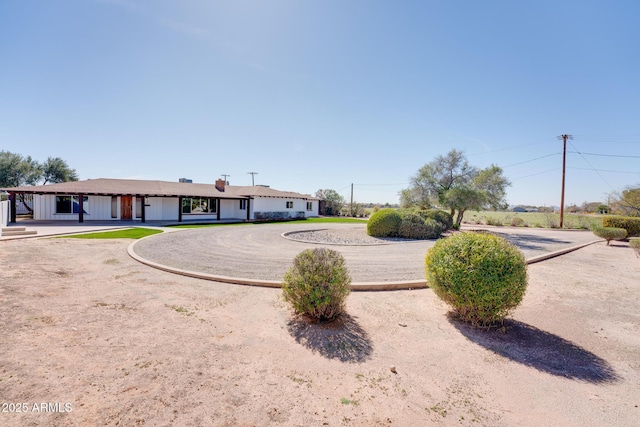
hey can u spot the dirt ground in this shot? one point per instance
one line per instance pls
(91, 337)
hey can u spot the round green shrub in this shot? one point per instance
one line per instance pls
(610, 233)
(413, 226)
(631, 224)
(384, 223)
(482, 276)
(317, 284)
(442, 217)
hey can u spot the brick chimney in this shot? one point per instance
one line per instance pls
(220, 183)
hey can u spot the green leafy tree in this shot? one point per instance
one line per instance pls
(451, 182)
(414, 196)
(17, 171)
(627, 202)
(334, 202)
(55, 170)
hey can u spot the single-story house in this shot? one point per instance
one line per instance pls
(140, 200)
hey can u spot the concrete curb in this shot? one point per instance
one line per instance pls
(357, 286)
(554, 254)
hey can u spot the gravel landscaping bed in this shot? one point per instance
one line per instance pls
(356, 236)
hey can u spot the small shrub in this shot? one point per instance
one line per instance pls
(631, 224)
(317, 284)
(413, 226)
(481, 275)
(635, 244)
(517, 222)
(493, 221)
(552, 220)
(384, 223)
(442, 217)
(610, 233)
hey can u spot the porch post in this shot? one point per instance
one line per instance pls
(218, 209)
(144, 219)
(12, 208)
(180, 209)
(248, 209)
(80, 208)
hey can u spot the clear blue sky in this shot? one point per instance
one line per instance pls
(322, 94)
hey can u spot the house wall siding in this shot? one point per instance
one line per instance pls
(4, 214)
(276, 204)
(167, 208)
(44, 207)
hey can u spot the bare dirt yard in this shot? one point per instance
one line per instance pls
(91, 337)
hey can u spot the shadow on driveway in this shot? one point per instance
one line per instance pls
(541, 350)
(342, 339)
(528, 241)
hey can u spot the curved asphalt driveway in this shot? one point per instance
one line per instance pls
(260, 254)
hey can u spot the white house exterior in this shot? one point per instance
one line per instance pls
(138, 200)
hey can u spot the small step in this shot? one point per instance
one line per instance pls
(10, 232)
(13, 229)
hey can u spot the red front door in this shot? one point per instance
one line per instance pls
(126, 207)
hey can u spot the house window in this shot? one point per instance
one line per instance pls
(69, 204)
(243, 205)
(309, 206)
(114, 206)
(289, 205)
(198, 205)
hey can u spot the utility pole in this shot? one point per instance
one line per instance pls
(564, 138)
(252, 177)
(224, 175)
(351, 209)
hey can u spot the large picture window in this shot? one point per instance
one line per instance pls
(70, 205)
(198, 205)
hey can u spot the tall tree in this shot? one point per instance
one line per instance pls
(627, 202)
(451, 182)
(333, 201)
(56, 170)
(17, 171)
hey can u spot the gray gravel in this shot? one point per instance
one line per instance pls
(354, 236)
(261, 252)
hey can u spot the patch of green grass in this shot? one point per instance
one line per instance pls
(129, 233)
(349, 402)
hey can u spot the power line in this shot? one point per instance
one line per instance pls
(536, 174)
(530, 160)
(594, 169)
(381, 185)
(503, 149)
(605, 170)
(602, 155)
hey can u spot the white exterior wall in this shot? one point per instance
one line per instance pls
(167, 208)
(230, 209)
(277, 204)
(4, 214)
(158, 209)
(44, 207)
